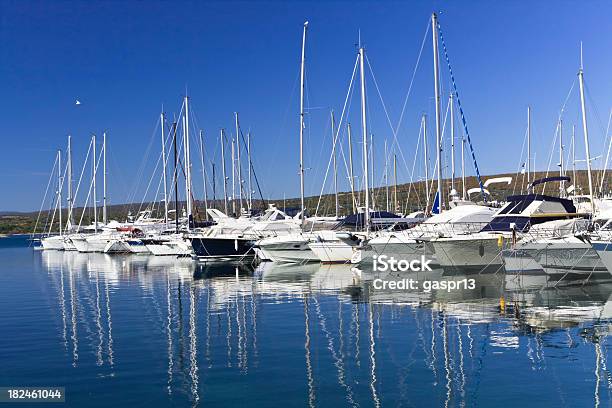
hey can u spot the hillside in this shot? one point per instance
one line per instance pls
(410, 197)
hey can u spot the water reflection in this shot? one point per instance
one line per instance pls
(337, 337)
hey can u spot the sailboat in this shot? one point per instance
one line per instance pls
(56, 242)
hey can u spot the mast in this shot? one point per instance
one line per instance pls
(574, 157)
(176, 197)
(233, 178)
(351, 176)
(333, 129)
(452, 135)
(164, 164)
(434, 30)
(59, 188)
(463, 168)
(223, 170)
(250, 170)
(203, 173)
(104, 219)
(561, 169)
(364, 126)
(70, 198)
(302, 72)
(386, 177)
(187, 151)
(239, 173)
(426, 161)
(395, 181)
(95, 204)
(586, 132)
(528, 144)
(214, 182)
(372, 179)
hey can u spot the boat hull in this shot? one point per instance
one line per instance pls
(399, 250)
(55, 243)
(332, 251)
(222, 249)
(295, 251)
(468, 253)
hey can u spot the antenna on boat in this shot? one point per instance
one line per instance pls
(302, 69)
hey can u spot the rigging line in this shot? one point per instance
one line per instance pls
(560, 116)
(399, 122)
(97, 162)
(442, 133)
(141, 168)
(337, 132)
(81, 178)
(346, 165)
(44, 197)
(552, 150)
(463, 120)
(596, 111)
(153, 174)
(179, 164)
(395, 141)
(603, 174)
(416, 154)
(252, 168)
(521, 163)
(203, 150)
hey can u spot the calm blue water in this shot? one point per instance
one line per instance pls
(139, 330)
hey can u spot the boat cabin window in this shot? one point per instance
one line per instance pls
(515, 207)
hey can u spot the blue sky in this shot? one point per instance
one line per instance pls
(123, 60)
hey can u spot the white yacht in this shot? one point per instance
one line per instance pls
(483, 249)
(234, 239)
(560, 247)
(411, 243)
(338, 245)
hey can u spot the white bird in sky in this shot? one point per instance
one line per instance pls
(77, 102)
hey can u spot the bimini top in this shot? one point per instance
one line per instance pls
(378, 219)
(530, 209)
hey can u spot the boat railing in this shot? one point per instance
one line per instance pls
(428, 230)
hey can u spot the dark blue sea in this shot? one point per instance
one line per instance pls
(155, 331)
